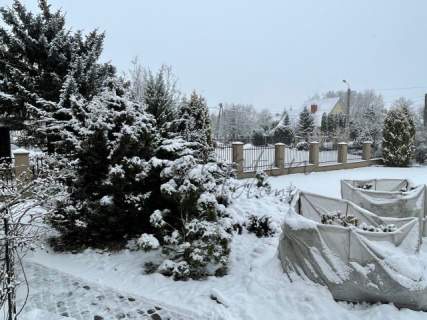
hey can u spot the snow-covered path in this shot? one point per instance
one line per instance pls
(65, 295)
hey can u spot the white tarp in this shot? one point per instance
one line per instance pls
(356, 265)
(397, 198)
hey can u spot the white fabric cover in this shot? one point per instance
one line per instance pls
(397, 198)
(355, 265)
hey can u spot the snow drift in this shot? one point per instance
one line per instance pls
(366, 260)
(397, 198)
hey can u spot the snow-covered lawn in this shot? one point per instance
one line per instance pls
(256, 287)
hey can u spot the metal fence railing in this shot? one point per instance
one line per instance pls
(355, 154)
(295, 157)
(263, 157)
(328, 156)
(258, 158)
(224, 153)
(7, 174)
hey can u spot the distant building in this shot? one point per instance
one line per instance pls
(317, 107)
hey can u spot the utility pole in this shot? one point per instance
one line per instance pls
(425, 111)
(347, 120)
(219, 122)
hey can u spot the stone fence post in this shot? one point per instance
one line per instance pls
(342, 152)
(367, 150)
(22, 163)
(279, 155)
(237, 155)
(313, 153)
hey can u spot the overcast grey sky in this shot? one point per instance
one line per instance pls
(267, 53)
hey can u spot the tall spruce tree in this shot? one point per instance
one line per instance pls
(398, 138)
(332, 124)
(324, 123)
(305, 124)
(194, 125)
(38, 54)
(161, 97)
(286, 120)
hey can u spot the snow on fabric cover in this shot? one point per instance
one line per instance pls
(397, 198)
(355, 265)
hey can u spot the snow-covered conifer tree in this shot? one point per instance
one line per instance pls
(191, 220)
(286, 120)
(161, 97)
(112, 188)
(324, 123)
(398, 138)
(193, 123)
(283, 132)
(305, 124)
(38, 53)
(332, 124)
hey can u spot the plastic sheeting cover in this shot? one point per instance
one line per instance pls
(397, 198)
(355, 265)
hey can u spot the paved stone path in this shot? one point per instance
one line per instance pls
(69, 296)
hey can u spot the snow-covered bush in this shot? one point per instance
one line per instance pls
(191, 221)
(261, 226)
(262, 180)
(147, 242)
(302, 146)
(177, 270)
(398, 138)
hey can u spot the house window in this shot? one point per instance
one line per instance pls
(313, 108)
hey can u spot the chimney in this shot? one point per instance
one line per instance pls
(313, 108)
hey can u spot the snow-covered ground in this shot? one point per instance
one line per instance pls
(256, 287)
